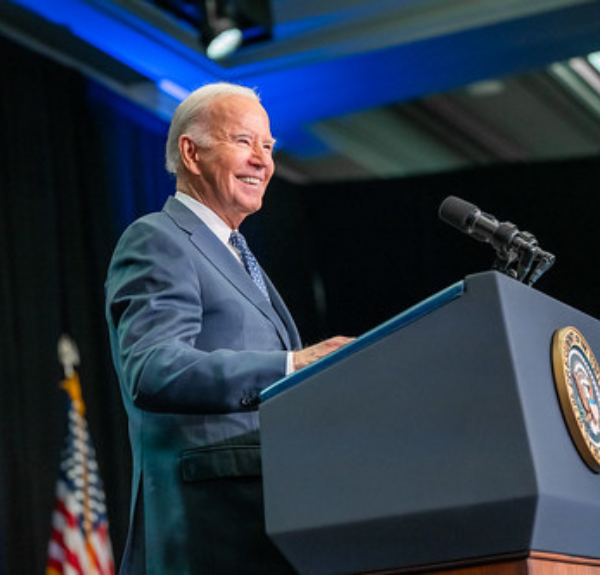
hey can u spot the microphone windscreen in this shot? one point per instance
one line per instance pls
(457, 212)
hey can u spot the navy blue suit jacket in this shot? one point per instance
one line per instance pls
(194, 342)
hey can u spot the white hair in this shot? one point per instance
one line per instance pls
(190, 118)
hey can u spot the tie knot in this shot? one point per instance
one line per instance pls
(238, 241)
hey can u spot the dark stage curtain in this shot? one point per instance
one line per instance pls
(78, 164)
(382, 247)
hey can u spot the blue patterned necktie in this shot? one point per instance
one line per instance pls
(237, 240)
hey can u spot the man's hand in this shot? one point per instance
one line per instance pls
(313, 353)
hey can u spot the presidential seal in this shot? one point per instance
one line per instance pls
(576, 376)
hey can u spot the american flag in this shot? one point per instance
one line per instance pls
(79, 544)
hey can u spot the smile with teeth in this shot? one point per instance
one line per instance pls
(249, 180)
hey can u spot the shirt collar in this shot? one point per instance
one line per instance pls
(216, 225)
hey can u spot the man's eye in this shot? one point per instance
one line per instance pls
(244, 141)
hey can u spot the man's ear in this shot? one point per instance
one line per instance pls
(190, 154)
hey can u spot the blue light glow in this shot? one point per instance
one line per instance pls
(305, 87)
(141, 47)
(172, 89)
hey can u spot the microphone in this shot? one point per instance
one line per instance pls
(469, 219)
(518, 253)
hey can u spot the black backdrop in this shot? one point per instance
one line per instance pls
(77, 164)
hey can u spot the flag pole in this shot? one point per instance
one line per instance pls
(68, 355)
(79, 541)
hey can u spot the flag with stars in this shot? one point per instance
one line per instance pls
(79, 543)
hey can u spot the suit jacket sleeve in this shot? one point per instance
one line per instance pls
(184, 338)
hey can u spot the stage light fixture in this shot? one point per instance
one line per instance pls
(229, 24)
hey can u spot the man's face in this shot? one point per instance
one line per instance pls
(237, 166)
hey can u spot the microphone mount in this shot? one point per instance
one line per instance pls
(518, 254)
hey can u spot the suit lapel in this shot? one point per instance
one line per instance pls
(283, 313)
(226, 264)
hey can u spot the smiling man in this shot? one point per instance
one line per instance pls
(197, 331)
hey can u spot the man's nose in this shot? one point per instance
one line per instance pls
(261, 156)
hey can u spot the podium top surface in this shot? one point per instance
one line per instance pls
(396, 323)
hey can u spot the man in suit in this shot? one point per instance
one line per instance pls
(197, 331)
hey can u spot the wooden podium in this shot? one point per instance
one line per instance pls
(528, 564)
(435, 443)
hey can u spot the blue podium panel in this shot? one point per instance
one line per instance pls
(442, 440)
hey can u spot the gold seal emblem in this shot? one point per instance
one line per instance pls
(576, 376)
